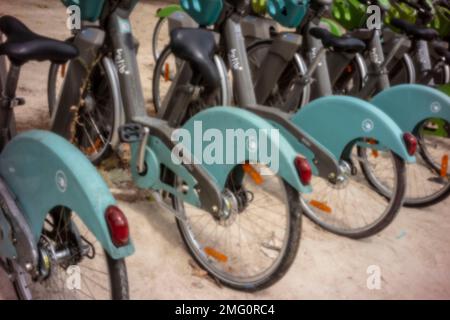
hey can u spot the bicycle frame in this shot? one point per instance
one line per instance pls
(377, 77)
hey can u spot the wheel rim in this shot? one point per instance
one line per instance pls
(158, 43)
(248, 261)
(290, 93)
(163, 77)
(350, 82)
(353, 207)
(402, 71)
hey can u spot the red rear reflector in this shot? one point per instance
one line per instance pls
(303, 169)
(118, 226)
(410, 142)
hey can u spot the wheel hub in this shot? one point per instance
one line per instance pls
(343, 179)
(89, 103)
(231, 208)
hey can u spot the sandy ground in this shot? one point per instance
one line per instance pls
(413, 253)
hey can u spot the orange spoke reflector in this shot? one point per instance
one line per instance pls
(166, 72)
(90, 150)
(349, 68)
(216, 254)
(320, 205)
(253, 173)
(374, 152)
(63, 70)
(444, 166)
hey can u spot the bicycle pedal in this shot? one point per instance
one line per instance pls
(132, 132)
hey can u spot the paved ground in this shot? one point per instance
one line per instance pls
(413, 253)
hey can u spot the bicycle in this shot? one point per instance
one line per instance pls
(72, 227)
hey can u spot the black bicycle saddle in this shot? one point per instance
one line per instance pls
(415, 31)
(23, 45)
(341, 44)
(197, 46)
(443, 52)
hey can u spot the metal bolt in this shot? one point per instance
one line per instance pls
(29, 266)
(340, 179)
(215, 209)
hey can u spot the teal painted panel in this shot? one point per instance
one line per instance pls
(338, 121)
(43, 171)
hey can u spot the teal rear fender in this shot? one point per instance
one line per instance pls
(168, 10)
(44, 171)
(207, 125)
(410, 104)
(227, 119)
(337, 122)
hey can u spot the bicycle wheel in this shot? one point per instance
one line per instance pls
(163, 75)
(256, 242)
(402, 71)
(290, 93)
(351, 81)
(94, 127)
(441, 72)
(73, 265)
(158, 41)
(427, 179)
(351, 207)
(56, 75)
